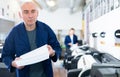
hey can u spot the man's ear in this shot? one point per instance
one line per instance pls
(37, 13)
(20, 15)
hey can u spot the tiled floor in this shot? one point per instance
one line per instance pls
(59, 70)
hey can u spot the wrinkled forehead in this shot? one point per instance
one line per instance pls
(28, 6)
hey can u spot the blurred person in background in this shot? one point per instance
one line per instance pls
(70, 39)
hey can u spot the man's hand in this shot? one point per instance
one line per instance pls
(15, 65)
(70, 44)
(51, 51)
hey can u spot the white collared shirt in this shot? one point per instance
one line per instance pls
(71, 37)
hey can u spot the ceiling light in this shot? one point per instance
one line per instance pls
(51, 3)
(25, 0)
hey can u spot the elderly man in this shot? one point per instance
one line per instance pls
(26, 36)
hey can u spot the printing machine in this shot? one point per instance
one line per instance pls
(72, 56)
(95, 64)
(105, 70)
(1, 46)
(109, 67)
(84, 64)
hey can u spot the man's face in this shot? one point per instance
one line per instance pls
(71, 32)
(29, 13)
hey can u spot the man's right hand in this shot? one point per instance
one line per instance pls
(15, 65)
(70, 44)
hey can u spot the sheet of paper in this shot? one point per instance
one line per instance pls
(0, 55)
(34, 56)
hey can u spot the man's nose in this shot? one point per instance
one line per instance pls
(30, 15)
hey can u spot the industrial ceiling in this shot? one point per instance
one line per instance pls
(53, 5)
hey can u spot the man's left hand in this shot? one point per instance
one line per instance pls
(51, 51)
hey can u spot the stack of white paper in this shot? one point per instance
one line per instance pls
(0, 55)
(34, 56)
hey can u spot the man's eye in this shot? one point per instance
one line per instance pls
(25, 12)
(33, 11)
